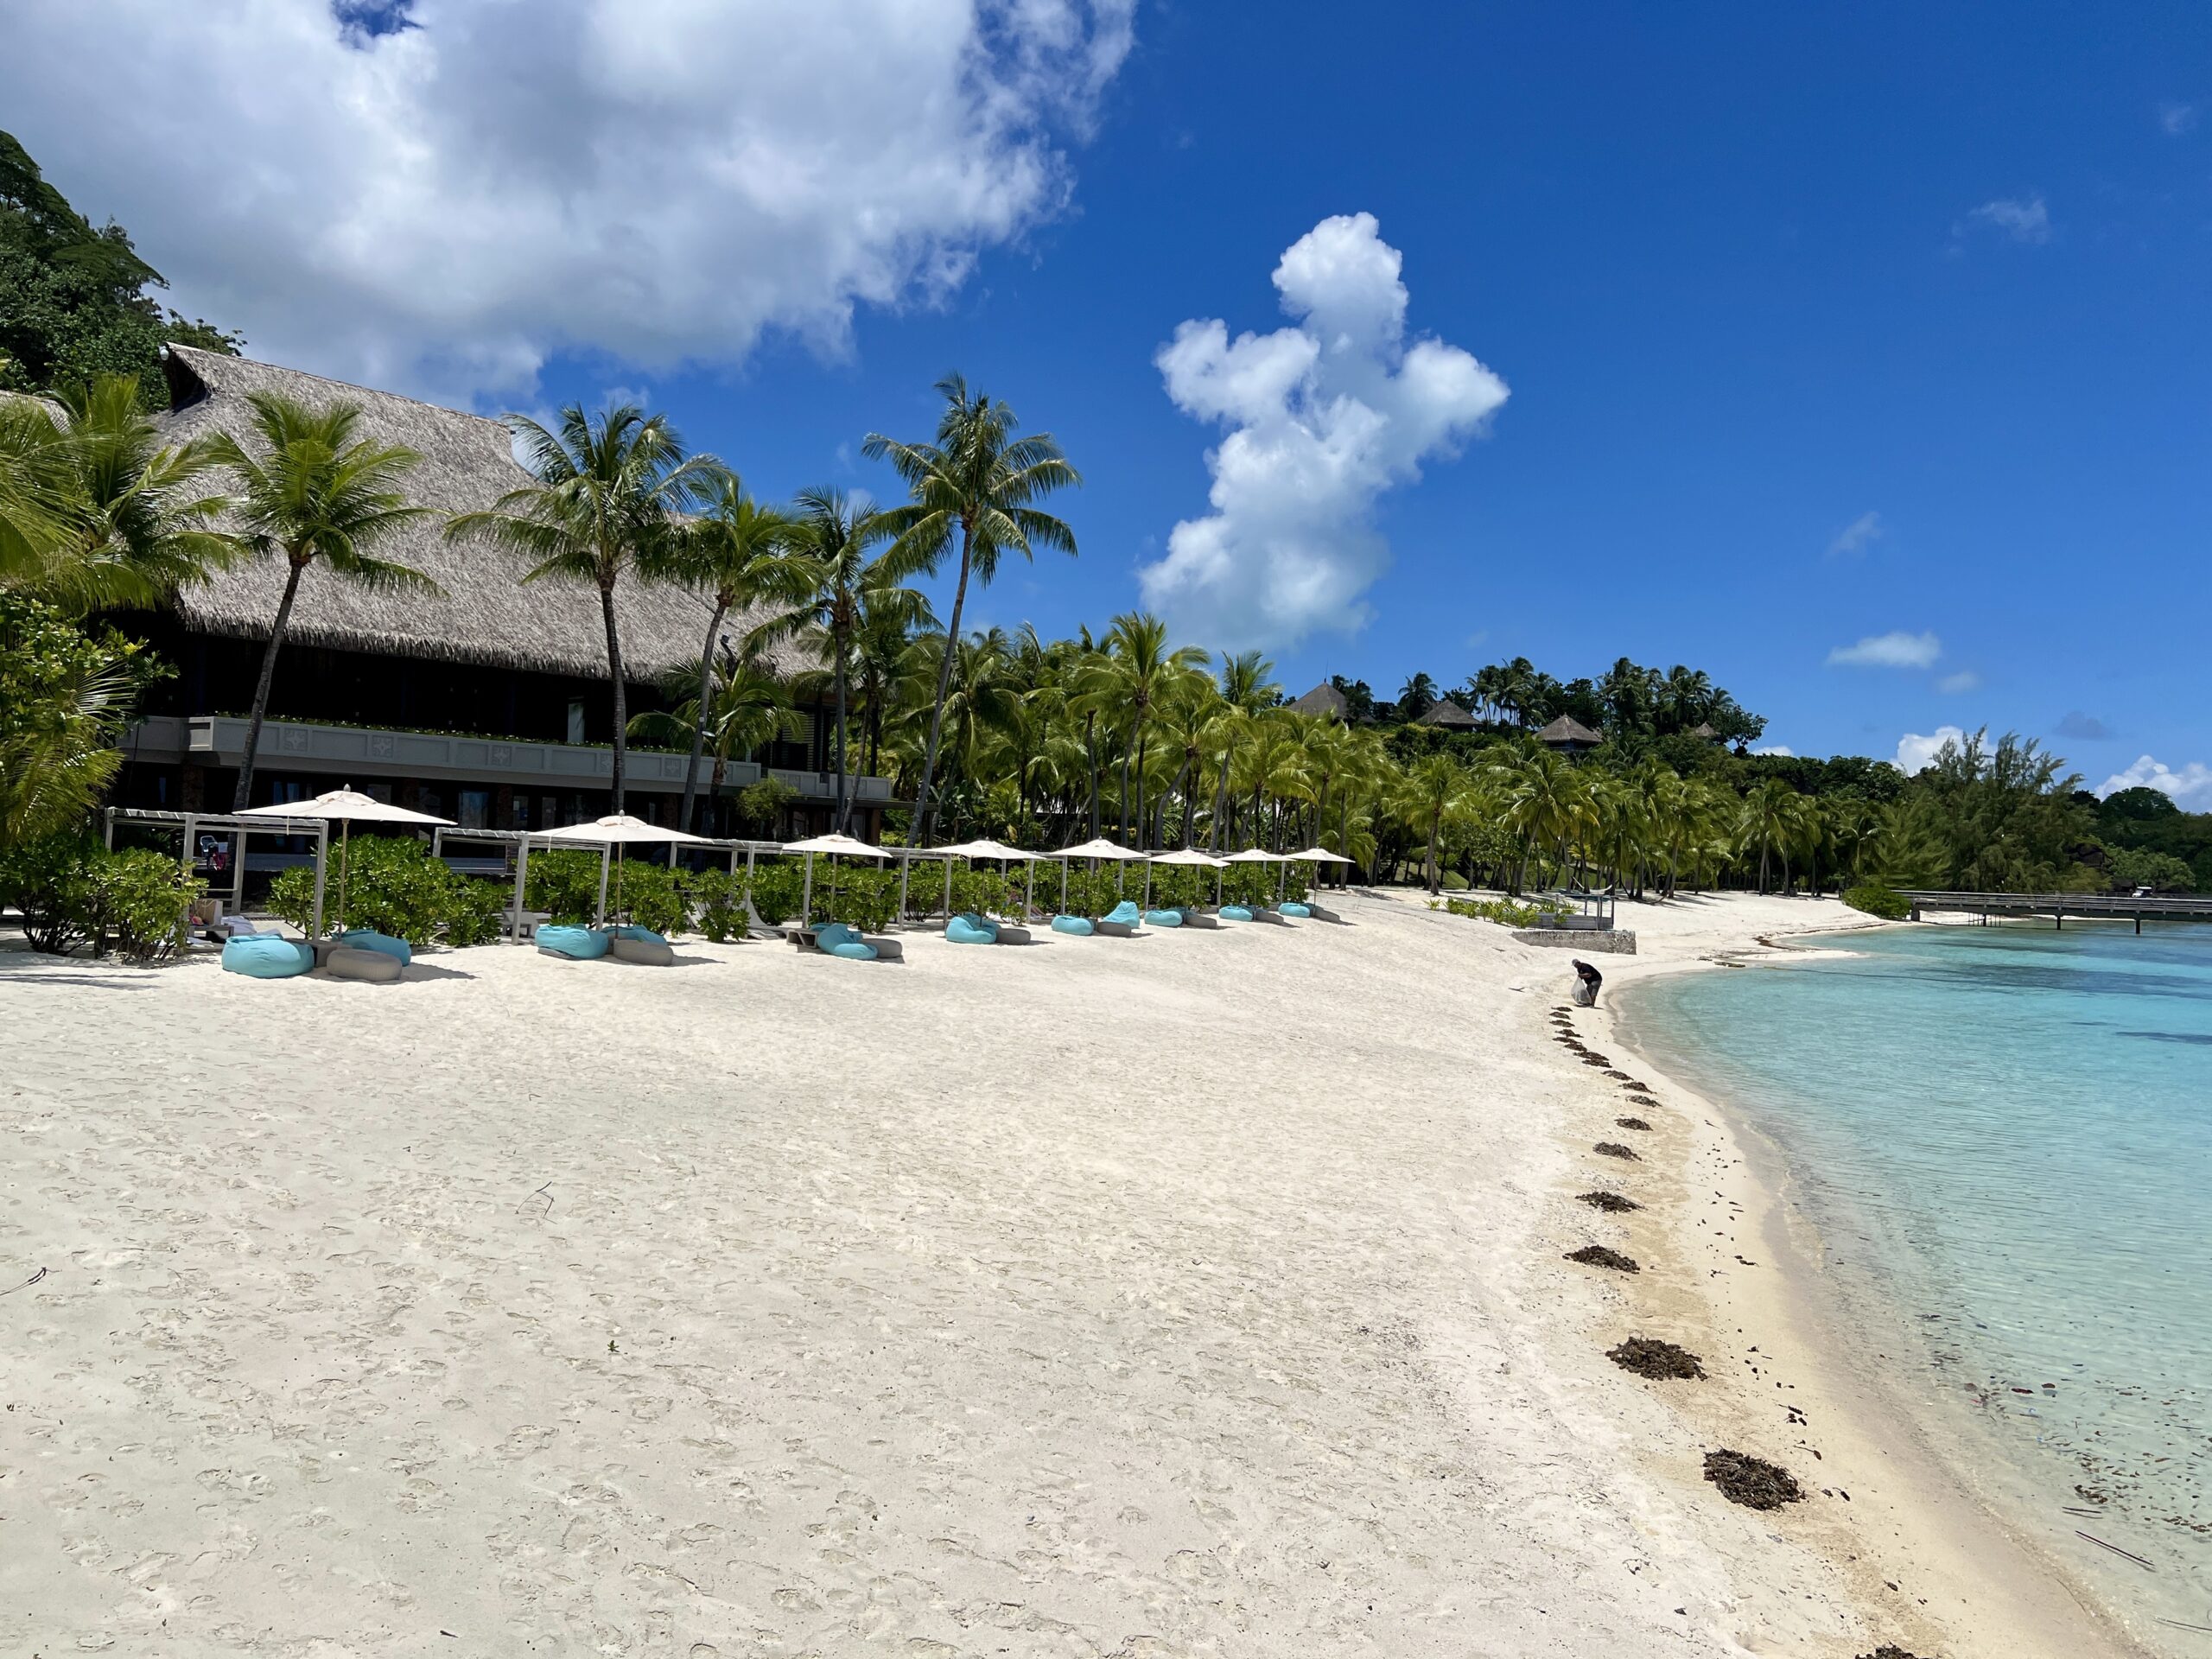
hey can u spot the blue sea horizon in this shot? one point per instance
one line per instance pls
(2004, 1136)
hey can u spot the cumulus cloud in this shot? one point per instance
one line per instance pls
(1776, 748)
(2085, 728)
(438, 196)
(1322, 417)
(1965, 680)
(2190, 787)
(1858, 536)
(2024, 219)
(1916, 753)
(1894, 650)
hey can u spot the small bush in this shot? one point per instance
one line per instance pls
(49, 881)
(1090, 892)
(1504, 911)
(649, 895)
(1177, 884)
(563, 883)
(985, 892)
(396, 887)
(867, 899)
(143, 897)
(1875, 901)
(718, 896)
(776, 888)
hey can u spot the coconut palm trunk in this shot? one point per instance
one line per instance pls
(699, 727)
(844, 803)
(614, 673)
(922, 805)
(243, 796)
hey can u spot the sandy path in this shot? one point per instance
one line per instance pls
(1197, 1294)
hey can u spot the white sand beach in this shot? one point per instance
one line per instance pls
(1198, 1294)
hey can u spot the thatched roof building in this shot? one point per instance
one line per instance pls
(1323, 699)
(486, 616)
(1569, 735)
(1450, 715)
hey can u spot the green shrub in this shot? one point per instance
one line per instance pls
(1504, 911)
(1177, 884)
(985, 892)
(776, 888)
(719, 898)
(143, 897)
(1090, 892)
(1885, 902)
(649, 895)
(867, 899)
(1298, 882)
(1251, 884)
(395, 886)
(49, 881)
(562, 883)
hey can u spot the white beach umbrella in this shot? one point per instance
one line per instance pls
(1100, 848)
(341, 807)
(615, 830)
(834, 846)
(1317, 854)
(1255, 855)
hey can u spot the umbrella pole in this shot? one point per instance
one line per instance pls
(1147, 884)
(321, 860)
(345, 866)
(905, 868)
(1030, 902)
(522, 865)
(605, 858)
(948, 889)
(806, 895)
(1064, 886)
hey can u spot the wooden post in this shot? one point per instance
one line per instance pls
(321, 869)
(522, 868)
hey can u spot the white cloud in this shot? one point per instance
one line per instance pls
(1965, 680)
(1915, 752)
(2086, 729)
(2175, 119)
(2190, 787)
(441, 208)
(2025, 219)
(1783, 749)
(1859, 535)
(1323, 416)
(1894, 650)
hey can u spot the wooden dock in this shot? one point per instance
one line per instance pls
(2081, 906)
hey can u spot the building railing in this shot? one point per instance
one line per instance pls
(373, 752)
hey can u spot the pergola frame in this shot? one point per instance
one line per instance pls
(191, 824)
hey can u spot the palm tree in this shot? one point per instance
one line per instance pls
(1435, 791)
(129, 519)
(1140, 667)
(978, 482)
(837, 583)
(745, 706)
(608, 489)
(313, 489)
(1541, 801)
(1770, 820)
(736, 552)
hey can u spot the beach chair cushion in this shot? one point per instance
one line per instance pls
(267, 956)
(1125, 912)
(1234, 913)
(578, 943)
(853, 949)
(651, 950)
(1293, 908)
(971, 928)
(647, 934)
(349, 962)
(1078, 925)
(367, 938)
(1163, 918)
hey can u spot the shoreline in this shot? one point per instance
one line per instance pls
(1928, 1560)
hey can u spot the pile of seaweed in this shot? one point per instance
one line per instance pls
(1753, 1482)
(1596, 1255)
(1662, 1362)
(1611, 1203)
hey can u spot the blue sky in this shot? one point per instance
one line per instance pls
(1821, 326)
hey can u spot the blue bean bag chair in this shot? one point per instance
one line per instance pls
(578, 943)
(1293, 908)
(967, 928)
(1234, 913)
(267, 956)
(1125, 912)
(367, 938)
(1078, 925)
(644, 933)
(1163, 918)
(840, 940)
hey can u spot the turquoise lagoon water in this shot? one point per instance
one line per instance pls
(2005, 1137)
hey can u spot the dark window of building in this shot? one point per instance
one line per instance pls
(575, 719)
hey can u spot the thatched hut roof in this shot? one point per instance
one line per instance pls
(485, 615)
(1449, 714)
(1704, 728)
(1567, 732)
(1323, 699)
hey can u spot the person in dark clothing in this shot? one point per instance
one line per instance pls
(1587, 982)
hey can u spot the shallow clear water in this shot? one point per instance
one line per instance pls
(2005, 1136)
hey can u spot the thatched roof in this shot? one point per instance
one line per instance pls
(1323, 699)
(485, 615)
(1703, 729)
(1448, 713)
(1567, 729)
